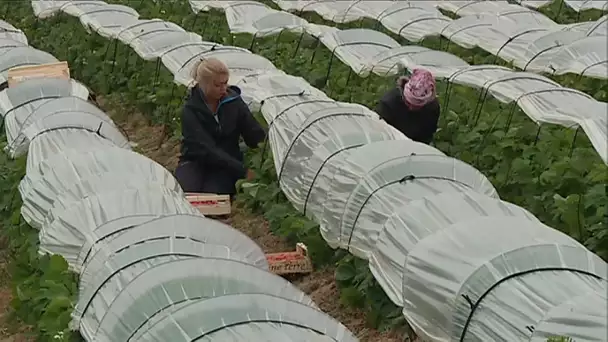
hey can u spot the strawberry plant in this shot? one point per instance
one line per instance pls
(44, 290)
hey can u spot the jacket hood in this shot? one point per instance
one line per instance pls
(233, 91)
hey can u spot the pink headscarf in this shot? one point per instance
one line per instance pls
(420, 89)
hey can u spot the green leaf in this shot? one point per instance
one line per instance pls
(345, 273)
(351, 297)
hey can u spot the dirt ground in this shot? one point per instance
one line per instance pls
(320, 285)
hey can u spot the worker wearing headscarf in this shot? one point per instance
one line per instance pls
(412, 106)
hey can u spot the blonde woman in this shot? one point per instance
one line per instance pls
(213, 120)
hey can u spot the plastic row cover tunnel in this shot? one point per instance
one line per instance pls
(149, 262)
(576, 5)
(511, 32)
(361, 184)
(463, 264)
(543, 100)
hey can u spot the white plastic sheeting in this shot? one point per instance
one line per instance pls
(582, 305)
(70, 226)
(495, 250)
(108, 20)
(45, 9)
(542, 99)
(252, 17)
(143, 29)
(505, 30)
(239, 309)
(22, 56)
(28, 96)
(592, 28)
(433, 228)
(537, 50)
(429, 212)
(123, 222)
(52, 184)
(357, 45)
(583, 5)
(10, 36)
(224, 273)
(54, 142)
(242, 63)
(188, 227)
(151, 47)
(320, 138)
(36, 106)
(7, 44)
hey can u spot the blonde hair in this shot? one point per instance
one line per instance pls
(206, 69)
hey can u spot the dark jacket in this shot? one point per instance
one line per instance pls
(212, 141)
(419, 125)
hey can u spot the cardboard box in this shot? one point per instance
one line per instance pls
(290, 262)
(52, 70)
(210, 204)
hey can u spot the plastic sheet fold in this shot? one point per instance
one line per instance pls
(237, 309)
(72, 226)
(155, 291)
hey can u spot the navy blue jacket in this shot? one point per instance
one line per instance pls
(211, 140)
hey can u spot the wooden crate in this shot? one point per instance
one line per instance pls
(54, 70)
(290, 262)
(210, 204)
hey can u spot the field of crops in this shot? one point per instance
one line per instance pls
(330, 174)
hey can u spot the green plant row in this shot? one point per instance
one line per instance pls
(44, 290)
(597, 88)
